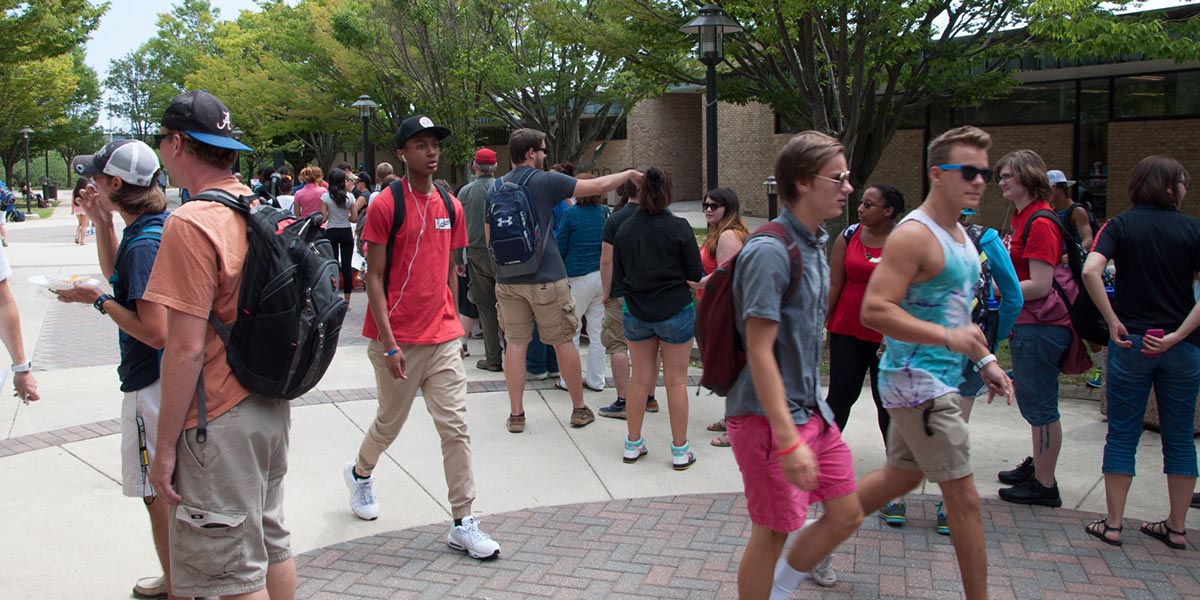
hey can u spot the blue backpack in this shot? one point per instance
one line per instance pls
(517, 241)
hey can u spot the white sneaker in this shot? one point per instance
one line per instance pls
(362, 494)
(823, 574)
(468, 538)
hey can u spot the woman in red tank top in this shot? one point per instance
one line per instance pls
(726, 234)
(854, 348)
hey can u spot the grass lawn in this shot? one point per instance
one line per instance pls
(44, 213)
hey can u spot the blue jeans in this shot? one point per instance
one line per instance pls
(674, 330)
(1176, 379)
(540, 358)
(1037, 350)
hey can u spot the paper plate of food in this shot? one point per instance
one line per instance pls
(56, 283)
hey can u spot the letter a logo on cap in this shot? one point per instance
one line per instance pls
(426, 122)
(224, 122)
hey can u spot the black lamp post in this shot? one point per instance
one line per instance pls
(365, 107)
(710, 26)
(237, 164)
(772, 197)
(25, 131)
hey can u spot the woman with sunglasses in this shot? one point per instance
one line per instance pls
(726, 234)
(1152, 322)
(1042, 333)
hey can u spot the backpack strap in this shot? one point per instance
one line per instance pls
(238, 203)
(400, 206)
(1041, 214)
(780, 232)
(445, 194)
(849, 232)
(153, 232)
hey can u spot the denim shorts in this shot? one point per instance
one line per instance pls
(1037, 350)
(675, 330)
(1128, 378)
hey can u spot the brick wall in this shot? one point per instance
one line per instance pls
(1131, 141)
(746, 149)
(667, 132)
(900, 165)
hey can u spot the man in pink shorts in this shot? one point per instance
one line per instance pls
(784, 439)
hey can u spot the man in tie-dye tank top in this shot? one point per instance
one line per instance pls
(919, 298)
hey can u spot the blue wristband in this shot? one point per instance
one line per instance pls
(391, 352)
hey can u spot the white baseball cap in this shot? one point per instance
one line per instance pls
(1056, 176)
(131, 161)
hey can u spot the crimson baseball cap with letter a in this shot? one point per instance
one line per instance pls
(204, 118)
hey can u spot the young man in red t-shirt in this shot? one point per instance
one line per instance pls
(418, 348)
(1042, 332)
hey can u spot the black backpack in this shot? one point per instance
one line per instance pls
(289, 310)
(1086, 319)
(397, 189)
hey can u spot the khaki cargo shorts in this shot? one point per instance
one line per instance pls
(930, 437)
(549, 304)
(612, 329)
(229, 527)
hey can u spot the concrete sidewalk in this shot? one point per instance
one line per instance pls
(69, 533)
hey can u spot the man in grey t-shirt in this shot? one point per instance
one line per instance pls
(481, 272)
(544, 296)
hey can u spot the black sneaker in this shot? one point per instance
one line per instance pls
(1021, 474)
(1196, 500)
(1032, 492)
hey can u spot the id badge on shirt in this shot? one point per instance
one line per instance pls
(441, 224)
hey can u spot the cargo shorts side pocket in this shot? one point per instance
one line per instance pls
(207, 542)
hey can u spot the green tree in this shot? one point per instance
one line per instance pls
(132, 82)
(852, 68)
(37, 95)
(76, 132)
(544, 77)
(31, 31)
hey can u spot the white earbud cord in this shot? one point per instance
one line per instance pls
(420, 234)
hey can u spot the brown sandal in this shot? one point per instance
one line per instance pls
(721, 441)
(1099, 529)
(718, 426)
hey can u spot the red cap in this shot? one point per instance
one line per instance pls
(485, 156)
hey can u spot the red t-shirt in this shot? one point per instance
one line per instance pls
(1045, 243)
(419, 299)
(846, 319)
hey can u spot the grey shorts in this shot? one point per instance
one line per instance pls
(229, 527)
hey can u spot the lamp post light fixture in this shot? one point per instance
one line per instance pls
(365, 107)
(25, 131)
(772, 197)
(710, 26)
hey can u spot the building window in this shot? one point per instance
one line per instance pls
(1159, 95)
(1052, 102)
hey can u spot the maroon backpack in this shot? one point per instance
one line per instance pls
(722, 349)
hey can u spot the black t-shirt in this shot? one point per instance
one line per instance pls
(655, 256)
(1157, 255)
(609, 236)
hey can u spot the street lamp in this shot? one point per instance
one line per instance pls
(710, 26)
(365, 107)
(772, 197)
(25, 131)
(237, 164)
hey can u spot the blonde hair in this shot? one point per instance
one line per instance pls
(967, 135)
(801, 158)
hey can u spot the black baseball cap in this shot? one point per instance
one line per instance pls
(418, 124)
(204, 118)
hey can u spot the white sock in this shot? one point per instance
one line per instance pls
(787, 580)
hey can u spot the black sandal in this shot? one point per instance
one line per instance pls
(1164, 534)
(1099, 529)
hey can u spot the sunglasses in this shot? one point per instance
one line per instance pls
(159, 137)
(840, 179)
(968, 172)
(713, 206)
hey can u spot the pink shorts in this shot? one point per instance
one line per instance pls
(772, 500)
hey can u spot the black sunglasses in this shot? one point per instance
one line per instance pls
(713, 206)
(159, 137)
(968, 172)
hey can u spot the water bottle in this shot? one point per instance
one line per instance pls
(991, 327)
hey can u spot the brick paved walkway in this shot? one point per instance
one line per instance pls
(689, 547)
